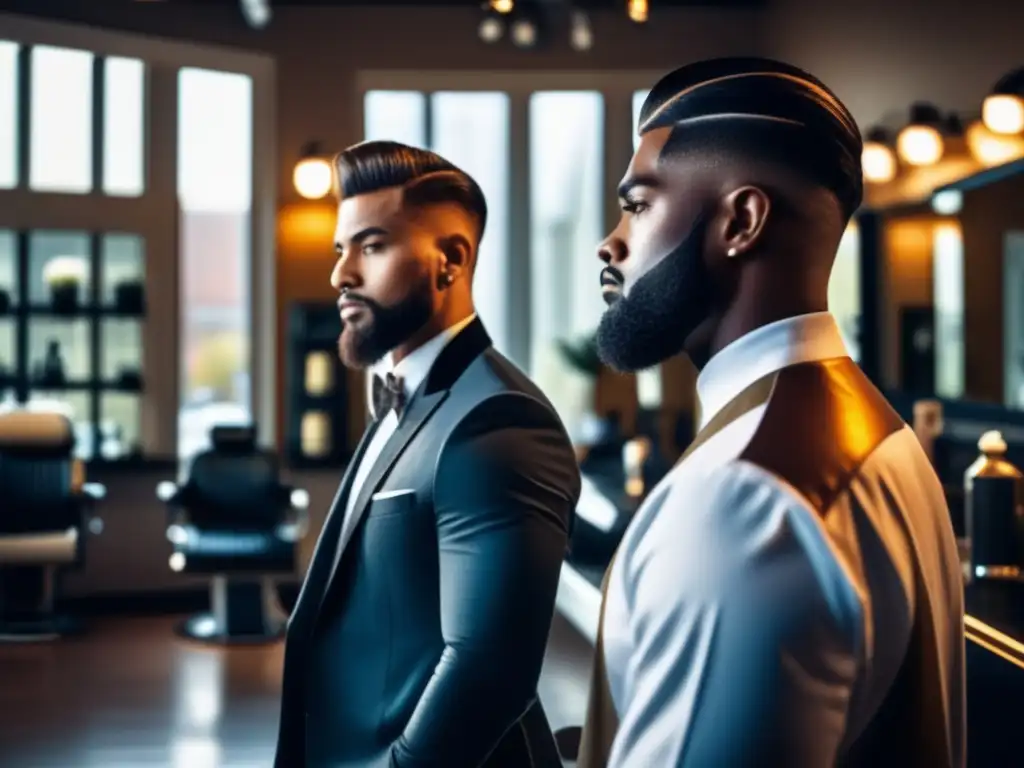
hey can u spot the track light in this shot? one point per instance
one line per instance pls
(921, 143)
(637, 10)
(492, 28)
(878, 161)
(502, 6)
(524, 32)
(1003, 109)
(581, 37)
(256, 12)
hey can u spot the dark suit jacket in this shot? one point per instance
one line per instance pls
(420, 643)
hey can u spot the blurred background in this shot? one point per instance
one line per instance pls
(166, 227)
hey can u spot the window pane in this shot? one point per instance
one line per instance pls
(123, 140)
(76, 406)
(120, 421)
(948, 277)
(59, 269)
(8, 271)
(844, 289)
(396, 116)
(8, 352)
(61, 108)
(215, 193)
(121, 347)
(638, 102)
(59, 352)
(122, 272)
(566, 208)
(471, 130)
(8, 114)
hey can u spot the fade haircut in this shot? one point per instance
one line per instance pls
(425, 177)
(763, 111)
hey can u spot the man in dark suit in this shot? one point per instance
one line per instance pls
(419, 634)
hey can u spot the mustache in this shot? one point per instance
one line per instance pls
(355, 298)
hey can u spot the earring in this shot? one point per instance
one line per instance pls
(731, 252)
(447, 279)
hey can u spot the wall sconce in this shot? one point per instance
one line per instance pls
(920, 142)
(878, 161)
(312, 176)
(1003, 110)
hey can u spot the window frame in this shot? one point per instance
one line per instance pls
(22, 209)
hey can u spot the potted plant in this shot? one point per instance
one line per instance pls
(64, 275)
(129, 297)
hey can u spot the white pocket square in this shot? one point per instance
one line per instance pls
(391, 494)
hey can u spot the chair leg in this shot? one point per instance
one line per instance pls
(242, 611)
(27, 606)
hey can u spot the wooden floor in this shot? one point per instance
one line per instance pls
(129, 694)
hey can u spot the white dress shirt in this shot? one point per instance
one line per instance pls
(413, 369)
(725, 564)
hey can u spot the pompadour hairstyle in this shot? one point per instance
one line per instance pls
(764, 110)
(424, 176)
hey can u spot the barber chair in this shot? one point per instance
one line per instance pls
(45, 516)
(233, 519)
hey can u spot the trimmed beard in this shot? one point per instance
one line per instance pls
(363, 344)
(663, 308)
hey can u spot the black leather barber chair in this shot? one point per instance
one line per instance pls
(45, 517)
(234, 520)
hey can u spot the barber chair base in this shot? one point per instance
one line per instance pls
(38, 629)
(241, 614)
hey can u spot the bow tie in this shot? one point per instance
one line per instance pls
(388, 394)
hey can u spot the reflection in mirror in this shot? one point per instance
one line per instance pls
(120, 425)
(59, 351)
(74, 405)
(8, 271)
(123, 272)
(948, 297)
(58, 265)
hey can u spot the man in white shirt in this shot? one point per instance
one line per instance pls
(790, 594)
(418, 636)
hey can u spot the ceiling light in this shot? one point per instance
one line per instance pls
(581, 37)
(312, 176)
(502, 6)
(878, 161)
(991, 149)
(491, 28)
(637, 10)
(921, 143)
(256, 12)
(1003, 110)
(524, 33)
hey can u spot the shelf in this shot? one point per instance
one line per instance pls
(85, 385)
(48, 310)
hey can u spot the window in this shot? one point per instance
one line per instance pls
(8, 114)
(948, 277)
(123, 141)
(471, 130)
(639, 97)
(60, 156)
(566, 212)
(215, 175)
(844, 289)
(396, 116)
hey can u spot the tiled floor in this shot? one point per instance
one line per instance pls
(130, 694)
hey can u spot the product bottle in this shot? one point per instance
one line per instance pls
(994, 491)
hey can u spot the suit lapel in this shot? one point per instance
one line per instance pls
(325, 546)
(467, 345)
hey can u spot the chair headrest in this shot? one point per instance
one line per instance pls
(233, 438)
(34, 430)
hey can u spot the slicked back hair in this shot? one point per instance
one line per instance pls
(425, 177)
(782, 115)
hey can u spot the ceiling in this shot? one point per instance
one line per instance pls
(589, 4)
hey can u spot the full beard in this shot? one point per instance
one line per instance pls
(364, 343)
(664, 307)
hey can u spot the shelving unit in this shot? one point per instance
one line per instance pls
(36, 323)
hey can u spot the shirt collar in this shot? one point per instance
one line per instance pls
(414, 367)
(800, 339)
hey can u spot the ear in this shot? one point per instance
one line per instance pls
(457, 258)
(745, 211)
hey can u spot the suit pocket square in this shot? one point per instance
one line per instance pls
(392, 494)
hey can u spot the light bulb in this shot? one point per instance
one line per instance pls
(502, 6)
(312, 178)
(1003, 113)
(878, 162)
(637, 10)
(524, 33)
(920, 145)
(580, 35)
(491, 29)
(991, 149)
